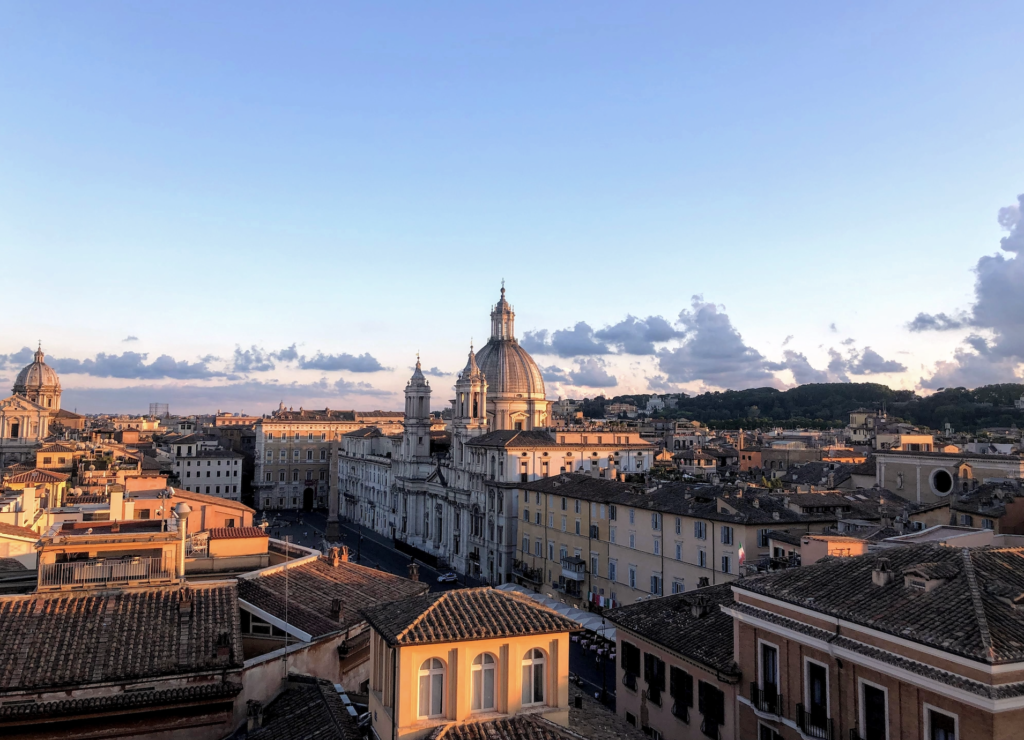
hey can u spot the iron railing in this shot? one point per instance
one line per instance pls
(198, 544)
(820, 728)
(102, 572)
(766, 700)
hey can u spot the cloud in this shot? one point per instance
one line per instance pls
(288, 354)
(996, 347)
(253, 396)
(435, 372)
(871, 362)
(935, 322)
(553, 374)
(364, 363)
(17, 359)
(800, 366)
(661, 383)
(130, 338)
(787, 340)
(633, 336)
(714, 353)
(592, 374)
(837, 367)
(575, 342)
(252, 360)
(832, 328)
(133, 365)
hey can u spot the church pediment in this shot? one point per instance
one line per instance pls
(19, 403)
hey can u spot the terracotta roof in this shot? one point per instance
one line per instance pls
(578, 485)
(39, 476)
(314, 586)
(12, 530)
(63, 639)
(973, 612)
(119, 702)
(308, 709)
(670, 621)
(203, 499)
(236, 533)
(464, 614)
(55, 447)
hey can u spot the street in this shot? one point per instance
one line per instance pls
(376, 551)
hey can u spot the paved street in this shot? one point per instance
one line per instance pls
(376, 551)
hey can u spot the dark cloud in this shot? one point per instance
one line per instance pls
(870, 362)
(592, 374)
(991, 353)
(800, 366)
(633, 336)
(661, 384)
(364, 363)
(437, 372)
(553, 374)
(253, 396)
(848, 341)
(837, 367)
(130, 338)
(288, 354)
(714, 353)
(935, 322)
(17, 359)
(832, 328)
(133, 365)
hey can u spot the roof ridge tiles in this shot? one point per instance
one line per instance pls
(976, 603)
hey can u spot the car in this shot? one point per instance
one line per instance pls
(448, 577)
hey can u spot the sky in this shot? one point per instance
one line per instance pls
(230, 205)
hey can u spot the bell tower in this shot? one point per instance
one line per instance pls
(416, 433)
(469, 410)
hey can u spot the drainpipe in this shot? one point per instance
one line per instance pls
(394, 682)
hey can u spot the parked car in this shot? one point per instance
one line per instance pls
(448, 577)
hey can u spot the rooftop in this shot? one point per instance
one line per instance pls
(75, 639)
(690, 624)
(465, 614)
(972, 612)
(308, 709)
(38, 476)
(237, 533)
(314, 586)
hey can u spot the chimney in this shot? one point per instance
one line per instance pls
(700, 606)
(577, 701)
(115, 527)
(344, 553)
(882, 575)
(703, 582)
(333, 557)
(254, 715)
(335, 608)
(414, 571)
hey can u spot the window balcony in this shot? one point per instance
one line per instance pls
(574, 569)
(811, 726)
(98, 573)
(767, 700)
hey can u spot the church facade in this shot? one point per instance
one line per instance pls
(457, 500)
(26, 415)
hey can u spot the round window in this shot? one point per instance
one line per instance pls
(942, 482)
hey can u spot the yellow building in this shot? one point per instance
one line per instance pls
(468, 656)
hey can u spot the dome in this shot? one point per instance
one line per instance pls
(509, 369)
(37, 376)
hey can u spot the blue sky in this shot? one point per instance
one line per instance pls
(356, 179)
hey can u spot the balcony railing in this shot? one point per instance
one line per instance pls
(816, 727)
(197, 545)
(766, 700)
(102, 572)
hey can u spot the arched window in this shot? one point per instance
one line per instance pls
(431, 688)
(483, 683)
(533, 677)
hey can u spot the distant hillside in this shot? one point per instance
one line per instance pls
(824, 405)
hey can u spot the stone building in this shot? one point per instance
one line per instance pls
(25, 416)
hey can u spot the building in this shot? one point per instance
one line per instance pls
(928, 477)
(365, 478)
(217, 472)
(921, 643)
(296, 456)
(468, 660)
(676, 673)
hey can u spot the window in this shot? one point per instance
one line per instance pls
(678, 587)
(700, 530)
(431, 688)
(679, 551)
(538, 518)
(483, 683)
(594, 563)
(679, 527)
(630, 664)
(577, 526)
(537, 548)
(563, 523)
(576, 502)
(656, 585)
(939, 725)
(526, 515)
(612, 566)
(726, 535)
(966, 520)
(551, 520)
(987, 524)
(526, 544)
(611, 535)
(611, 512)
(680, 688)
(816, 695)
(710, 703)
(768, 678)
(725, 564)
(702, 558)
(655, 520)
(632, 540)
(563, 503)
(654, 677)
(762, 538)
(874, 717)
(657, 546)
(632, 516)
(551, 550)
(533, 677)
(595, 532)
(632, 576)
(323, 454)
(764, 732)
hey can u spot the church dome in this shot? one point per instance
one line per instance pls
(507, 367)
(37, 376)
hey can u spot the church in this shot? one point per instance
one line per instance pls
(25, 416)
(457, 502)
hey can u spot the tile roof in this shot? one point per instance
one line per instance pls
(973, 611)
(365, 432)
(671, 622)
(11, 565)
(39, 476)
(308, 709)
(312, 588)
(55, 447)
(578, 485)
(13, 711)
(236, 533)
(513, 438)
(63, 639)
(464, 614)
(203, 499)
(12, 530)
